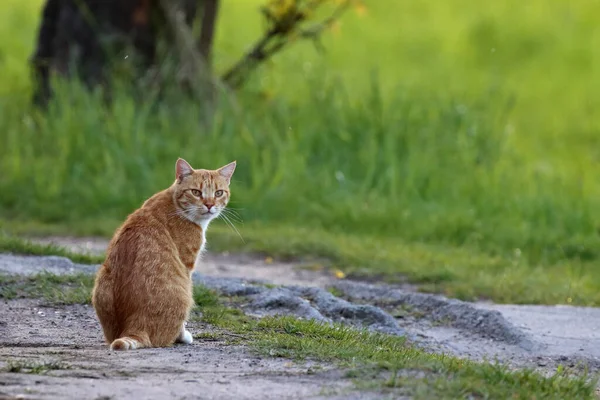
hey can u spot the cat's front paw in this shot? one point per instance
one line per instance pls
(185, 337)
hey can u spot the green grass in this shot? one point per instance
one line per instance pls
(55, 289)
(468, 162)
(389, 363)
(16, 245)
(34, 367)
(463, 273)
(205, 297)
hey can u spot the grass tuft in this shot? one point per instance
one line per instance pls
(12, 244)
(383, 361)
(205, 297)
(34, 367)
(55, 289)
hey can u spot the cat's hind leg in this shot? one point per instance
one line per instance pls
(185, 336)
(103, 302)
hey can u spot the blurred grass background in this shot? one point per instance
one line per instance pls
(451, 143)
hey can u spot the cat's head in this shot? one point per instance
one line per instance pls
(200, 194)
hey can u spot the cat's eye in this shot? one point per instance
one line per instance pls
(218, 193)
(196, 192)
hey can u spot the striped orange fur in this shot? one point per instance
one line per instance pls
(143, 291)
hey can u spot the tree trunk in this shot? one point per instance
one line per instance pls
(81, 37)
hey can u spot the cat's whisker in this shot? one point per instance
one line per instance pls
(228, 221)
(225, 216)
(170, 214)
(232, 215)
(177, 213)
(233, 220)
(231, 211)
(191, 214)
(173, 215)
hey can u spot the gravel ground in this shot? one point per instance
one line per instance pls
(67, 341)
(521, 335)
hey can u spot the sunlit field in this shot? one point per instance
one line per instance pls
(452, 143)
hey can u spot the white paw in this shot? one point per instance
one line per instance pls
(185, 337)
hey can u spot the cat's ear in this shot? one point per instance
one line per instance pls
(227, 171)
(182, 169)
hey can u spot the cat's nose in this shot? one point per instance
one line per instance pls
(209, 205)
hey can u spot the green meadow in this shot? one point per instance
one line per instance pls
(453, 144)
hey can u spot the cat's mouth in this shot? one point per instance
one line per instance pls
(206, 214)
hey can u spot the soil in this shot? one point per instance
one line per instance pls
(66, 342)
(542, 337)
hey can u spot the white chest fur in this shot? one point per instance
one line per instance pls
(204, 226)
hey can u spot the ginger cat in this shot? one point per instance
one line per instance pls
(143, 291)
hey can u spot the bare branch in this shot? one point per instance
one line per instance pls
(284, 30)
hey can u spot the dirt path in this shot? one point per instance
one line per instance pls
(562, 331)
(219, 265)
(64, 343)
(548, 333)
(535, 336)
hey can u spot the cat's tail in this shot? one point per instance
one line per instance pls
(127, 343)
